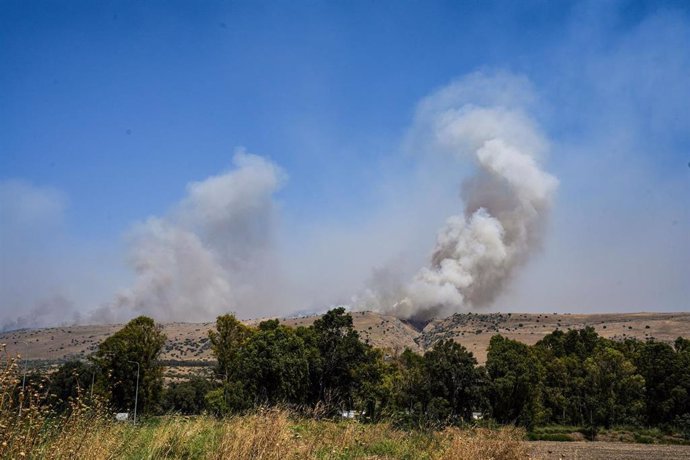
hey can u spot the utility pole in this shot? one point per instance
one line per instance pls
(136, 392)
(26, 357)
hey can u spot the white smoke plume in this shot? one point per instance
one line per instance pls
(202, 259)
(506, 201)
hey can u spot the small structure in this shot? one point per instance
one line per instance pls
(122, 416)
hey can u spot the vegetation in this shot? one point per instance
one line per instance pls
(573, 378)
(128, 357)
(295, 386)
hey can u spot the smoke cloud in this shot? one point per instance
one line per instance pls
(203, 258)
(506, 201)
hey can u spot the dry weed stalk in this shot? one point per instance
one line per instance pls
(484, 444)
(38, 432)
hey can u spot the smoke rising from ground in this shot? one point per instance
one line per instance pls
(203, 258)
(506, 201)
(214, 251)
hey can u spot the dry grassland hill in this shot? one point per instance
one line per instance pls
(188, 344)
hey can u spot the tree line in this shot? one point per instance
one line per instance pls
(572, 377)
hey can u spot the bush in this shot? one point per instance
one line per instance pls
(231, 398)
(187, 397)
(682, 422)
(549, 437)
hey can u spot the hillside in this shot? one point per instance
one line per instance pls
(188, 345)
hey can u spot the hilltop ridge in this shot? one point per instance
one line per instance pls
(188, 343)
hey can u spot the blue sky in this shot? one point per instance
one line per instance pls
(116, 106)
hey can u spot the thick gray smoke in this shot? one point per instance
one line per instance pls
(205, 256)
(506, 201)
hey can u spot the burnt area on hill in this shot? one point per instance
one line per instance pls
(418, 324)
(458, 324)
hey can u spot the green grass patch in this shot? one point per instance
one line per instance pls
(560, 437)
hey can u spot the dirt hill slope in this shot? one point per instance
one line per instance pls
(188, 343)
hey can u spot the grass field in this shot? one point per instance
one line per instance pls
(277, 434)
(272, 434)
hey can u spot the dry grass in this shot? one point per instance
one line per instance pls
(36, 432)
(484, 444)
(271, 435)
(275, 434)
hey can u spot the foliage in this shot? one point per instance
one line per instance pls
(454, 381)
(444, 386)
(136, 346)
(71, 380)
(273, 365)
(187, 397)
(226, 341)
(31, 428)
(340, 353)
(615, 389)
(516, 380)
(569, 378)
(573, 378)
(666, 371)
(324, 365)
(87, 432)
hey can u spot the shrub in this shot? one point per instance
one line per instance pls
(187, 397)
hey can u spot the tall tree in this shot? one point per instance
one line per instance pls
(139, 342)
(665, 372)
(516, 382)
(273, 365)
(226, 341)
(456, 384)
(615, 390)
(341, 352)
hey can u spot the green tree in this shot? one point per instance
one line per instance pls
(187, 397)
(681, 392)
(407, 388)
(341, 352)
(71, 380)
(139, 341)
(273, 365)
(370, 393)
(667, 376)
(452, 376)
(566, 396)
(615, 391)
(516, 382)
(226, 341)
(581, 343)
